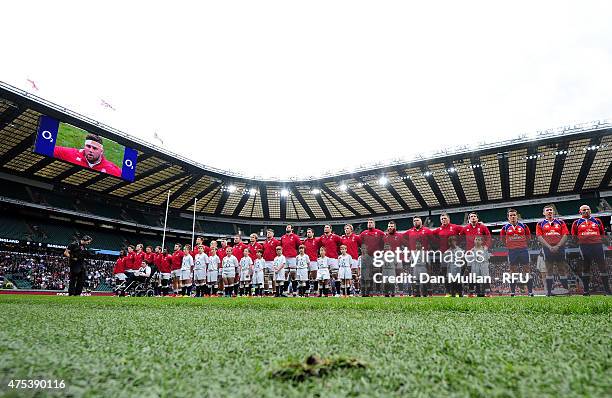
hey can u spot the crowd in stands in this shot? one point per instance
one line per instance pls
(48, 269)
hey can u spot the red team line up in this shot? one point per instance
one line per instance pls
(316, 265)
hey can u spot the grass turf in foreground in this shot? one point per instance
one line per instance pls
(233, 347)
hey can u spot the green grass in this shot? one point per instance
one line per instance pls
(74, 137)
(361, 346)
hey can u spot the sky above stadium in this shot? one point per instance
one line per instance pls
(288, 89)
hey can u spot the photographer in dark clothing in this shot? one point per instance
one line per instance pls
(76, 253)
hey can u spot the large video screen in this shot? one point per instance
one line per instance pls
(72, 144)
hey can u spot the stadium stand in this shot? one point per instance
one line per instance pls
(46, 202)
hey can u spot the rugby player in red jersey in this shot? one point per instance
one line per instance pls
(269, 254)
(516, 236)
(119, 270)
(177, 262)
(417, 232)
(371, 241)
(254, 246)
(552, 233)
(238, 248)
(332, 243)
(148, 256)
(352, 241)
(441, 235)
(91, 156)
(589, 231)
(475, 228)
(165, 269)
(128, 264)
(395, 240)
(199, 242)
(290, 243)
(392, 237)
(471, 230)
(311, 248)
(139, 257)
(372, 238)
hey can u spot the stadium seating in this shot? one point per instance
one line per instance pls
(58, 234)
(103, 287)
(13, 228)
(15, 191)
(18, 281)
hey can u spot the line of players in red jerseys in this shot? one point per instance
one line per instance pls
(275, 265)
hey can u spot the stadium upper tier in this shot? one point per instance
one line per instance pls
(577, 160)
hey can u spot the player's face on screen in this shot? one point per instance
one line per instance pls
(253, 238)
(270, 234)
(585, 211)
(92, 151)
(417, 222)
(473, 218)
(391, 227)
(444, 219)
(309, 233)
(371, 224)
(327, 229)
(177, 247)
(348, 230)
(289, 229)
(237, 239)
(513, 217)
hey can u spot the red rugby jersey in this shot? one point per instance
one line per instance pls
(412, 235)
(352, 243)
(588, 230)
(443, 232)
(312, 248)
(516, 236)
(238, 250)
(394, 240)
(269, 246)
(166, 264)
(129, 261)
(552, 231)
(331, 243)
(177, 259)
(373, 239)
(472, 231)
(119, 266)
(253, 248)
(290, 243)
(138, 259)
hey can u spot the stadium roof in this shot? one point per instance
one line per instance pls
(575, 159)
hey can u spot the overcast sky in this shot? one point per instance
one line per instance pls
(289, 89)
